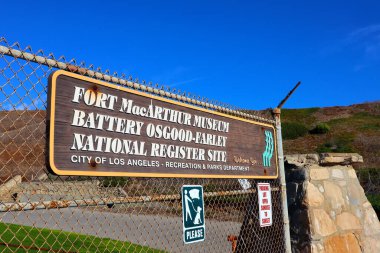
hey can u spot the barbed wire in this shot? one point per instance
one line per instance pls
(72, 65)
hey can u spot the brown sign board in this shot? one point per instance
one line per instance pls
(100, 129)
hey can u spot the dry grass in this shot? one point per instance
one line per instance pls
(353, 128)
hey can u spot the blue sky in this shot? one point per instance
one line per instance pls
(246, 53)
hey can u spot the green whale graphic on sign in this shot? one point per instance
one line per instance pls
(268, 153)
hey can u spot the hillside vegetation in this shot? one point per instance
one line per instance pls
(353, 128)
(341, 129)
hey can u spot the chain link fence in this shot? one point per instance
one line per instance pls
(41, 212)
(369, 179)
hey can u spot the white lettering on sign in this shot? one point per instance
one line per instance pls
(265, 204)
(194, 234)
(126, 126)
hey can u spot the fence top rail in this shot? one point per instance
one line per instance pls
(27, 54)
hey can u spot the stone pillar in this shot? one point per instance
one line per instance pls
(328, 209)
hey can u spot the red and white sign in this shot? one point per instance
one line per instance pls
(265, 204)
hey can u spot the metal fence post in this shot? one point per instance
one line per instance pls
(277, 115)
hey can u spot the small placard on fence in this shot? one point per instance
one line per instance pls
(193, 216)
(265, 204)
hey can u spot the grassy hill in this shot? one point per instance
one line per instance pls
(354, 128)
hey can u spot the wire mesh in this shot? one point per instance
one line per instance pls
(41, 212)
(369, 179)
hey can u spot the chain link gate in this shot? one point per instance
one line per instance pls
(41, 212)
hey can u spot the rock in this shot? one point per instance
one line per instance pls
(314, 248)
(337, 173)
(42, 177)
(371, 223)
(318, 173)
(312, 158)
(313, 197)
(371, 245)
(358, 212)
(351, 173)
(322, 223)
(342, 183)
(332, 215)
(329, 211)
(347, 221)
(366, 204)
(296, 160)
(342, 244)
(333, 195)
(320, 247)
(355, 193)
(11, 183)
(340, 158)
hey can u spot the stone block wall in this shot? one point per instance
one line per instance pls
(328, 209)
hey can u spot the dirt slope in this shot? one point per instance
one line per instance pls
(354, 128)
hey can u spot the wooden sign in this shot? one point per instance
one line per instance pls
(100, 129)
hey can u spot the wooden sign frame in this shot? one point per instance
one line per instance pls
(54, 136)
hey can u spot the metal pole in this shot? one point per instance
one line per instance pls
(277, 115)
(288, 96)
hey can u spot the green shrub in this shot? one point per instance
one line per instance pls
(335, 147)
(370, 126)
(320, 128)
(114, 181)
(293, 130)
(369, 179)
(374, 199)
(367, 173)
(305, 115)
(339, 144)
